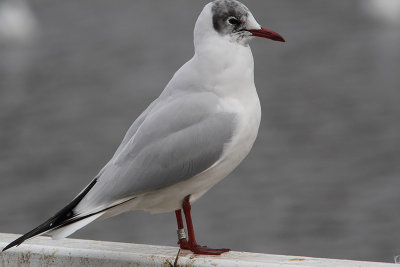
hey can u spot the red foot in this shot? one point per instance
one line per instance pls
(184, 244)
(201, 250)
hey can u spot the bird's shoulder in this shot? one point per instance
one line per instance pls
(196, 114)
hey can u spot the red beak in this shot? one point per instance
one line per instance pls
(265, 33)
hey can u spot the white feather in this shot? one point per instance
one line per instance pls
(72, 228)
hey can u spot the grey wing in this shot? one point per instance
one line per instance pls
(132, 130)
(178, 139)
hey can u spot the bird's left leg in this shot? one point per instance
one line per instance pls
(182, 241)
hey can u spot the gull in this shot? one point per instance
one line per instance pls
(193, 135)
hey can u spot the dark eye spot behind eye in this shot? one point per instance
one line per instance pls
(234, 21)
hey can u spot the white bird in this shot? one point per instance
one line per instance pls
(194, 134)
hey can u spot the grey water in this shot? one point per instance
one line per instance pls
(323, 178)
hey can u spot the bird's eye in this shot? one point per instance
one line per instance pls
(233, 21)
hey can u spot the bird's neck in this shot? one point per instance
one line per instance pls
(222, 62)
(224, 68)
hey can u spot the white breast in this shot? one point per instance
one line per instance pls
(248, 112)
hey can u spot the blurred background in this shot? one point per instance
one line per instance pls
(323, 178)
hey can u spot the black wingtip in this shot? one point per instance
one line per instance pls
(16, 242)
(58, 219)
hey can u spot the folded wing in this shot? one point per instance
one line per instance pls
(179, 138)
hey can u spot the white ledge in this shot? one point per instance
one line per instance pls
(43, 251)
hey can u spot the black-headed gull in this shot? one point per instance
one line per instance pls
(194, 134)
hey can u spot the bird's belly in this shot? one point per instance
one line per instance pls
(170, 198)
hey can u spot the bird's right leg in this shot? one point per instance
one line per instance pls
(191, 241)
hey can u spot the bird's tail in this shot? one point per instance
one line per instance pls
(64, 222)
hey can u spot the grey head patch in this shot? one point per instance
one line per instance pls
(229, 16)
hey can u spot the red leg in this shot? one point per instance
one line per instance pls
(182, 241)
(194, 247)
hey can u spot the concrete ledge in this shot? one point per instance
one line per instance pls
(43, 251)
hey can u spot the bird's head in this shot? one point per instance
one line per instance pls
(232, 20)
